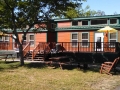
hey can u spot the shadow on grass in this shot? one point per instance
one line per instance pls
(8, 65)
(35, 65)
(13, 65)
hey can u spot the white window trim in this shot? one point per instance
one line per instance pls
(26, 38)
(1, 38)
(112, 39)
(74, 39)
(32, 40)
(6, 40)
(85, 39)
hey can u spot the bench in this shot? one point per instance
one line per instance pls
(6, 56)
(61, 60)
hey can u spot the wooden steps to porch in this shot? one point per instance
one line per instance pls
(38, 57)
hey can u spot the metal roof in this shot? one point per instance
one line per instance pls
(88, 18)
(95, 27)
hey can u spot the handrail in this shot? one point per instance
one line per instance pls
(35, 51)
(26, 49)
(42, 47)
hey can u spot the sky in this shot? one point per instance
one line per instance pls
(108, 6)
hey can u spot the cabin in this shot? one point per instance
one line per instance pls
(72, 35)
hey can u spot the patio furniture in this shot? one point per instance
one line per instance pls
(61, 60)
(108, 67)
(6, 56)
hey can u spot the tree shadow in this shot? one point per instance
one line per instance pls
(39, 65)
(9, 65)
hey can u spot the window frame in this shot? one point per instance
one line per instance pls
(75, 21)
(99, 20)
(112, 39)
(72, 44)
(113, 23)
(6, 40)
(31, 40)
(85, 21)
(1, 39)
(84, 39)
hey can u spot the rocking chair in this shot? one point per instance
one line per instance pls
(108, 67)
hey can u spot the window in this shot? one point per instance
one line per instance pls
(113, 21)
(85, 39)
(74, 39)
(112, 39)
(6, 39)
(84, 22)
(25, 39)
(31, 40)
(100, 21)
(1, 39)
(74, 23)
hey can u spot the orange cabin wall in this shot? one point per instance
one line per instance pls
(63, 37)
(39, 37)
(64, 24)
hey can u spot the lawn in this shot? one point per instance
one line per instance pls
(40, 77)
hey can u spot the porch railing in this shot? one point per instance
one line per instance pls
(42, 48)
(26, 49)
(87, 46)
(4, 45)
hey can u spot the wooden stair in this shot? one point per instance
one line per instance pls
(38, 57)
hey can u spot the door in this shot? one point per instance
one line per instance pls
(99, 41)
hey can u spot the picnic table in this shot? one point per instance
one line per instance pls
(61, 60)
(6, 56)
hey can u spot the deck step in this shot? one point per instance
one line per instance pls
(38, 57)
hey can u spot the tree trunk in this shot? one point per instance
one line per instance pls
(21, 55)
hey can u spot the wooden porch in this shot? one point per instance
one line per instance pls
(93, 47)
(53, 47)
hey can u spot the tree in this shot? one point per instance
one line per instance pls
(87, 11)
(100, 13)
(74, 12)
(16, 14)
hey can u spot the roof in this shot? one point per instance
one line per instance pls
(95, 27)
(88, 17)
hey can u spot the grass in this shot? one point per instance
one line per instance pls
(39, 77)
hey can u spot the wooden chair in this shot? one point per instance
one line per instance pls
(108, 67)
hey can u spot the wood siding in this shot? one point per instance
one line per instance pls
(64, 24)
(64, 37)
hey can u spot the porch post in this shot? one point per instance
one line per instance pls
(78, 46)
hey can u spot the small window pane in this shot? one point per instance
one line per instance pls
(112, 43)
(74, 36)
(1, 38)
(112, 35)
(6, 38)
(85, 43)
(31, 37)
(113, 21)
(32, 43)
(74, 43)
(74, 23)
(84, 22)
(84, 35)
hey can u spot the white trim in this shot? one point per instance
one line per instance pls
(74, 39)
(84, 39)
(32, 40)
